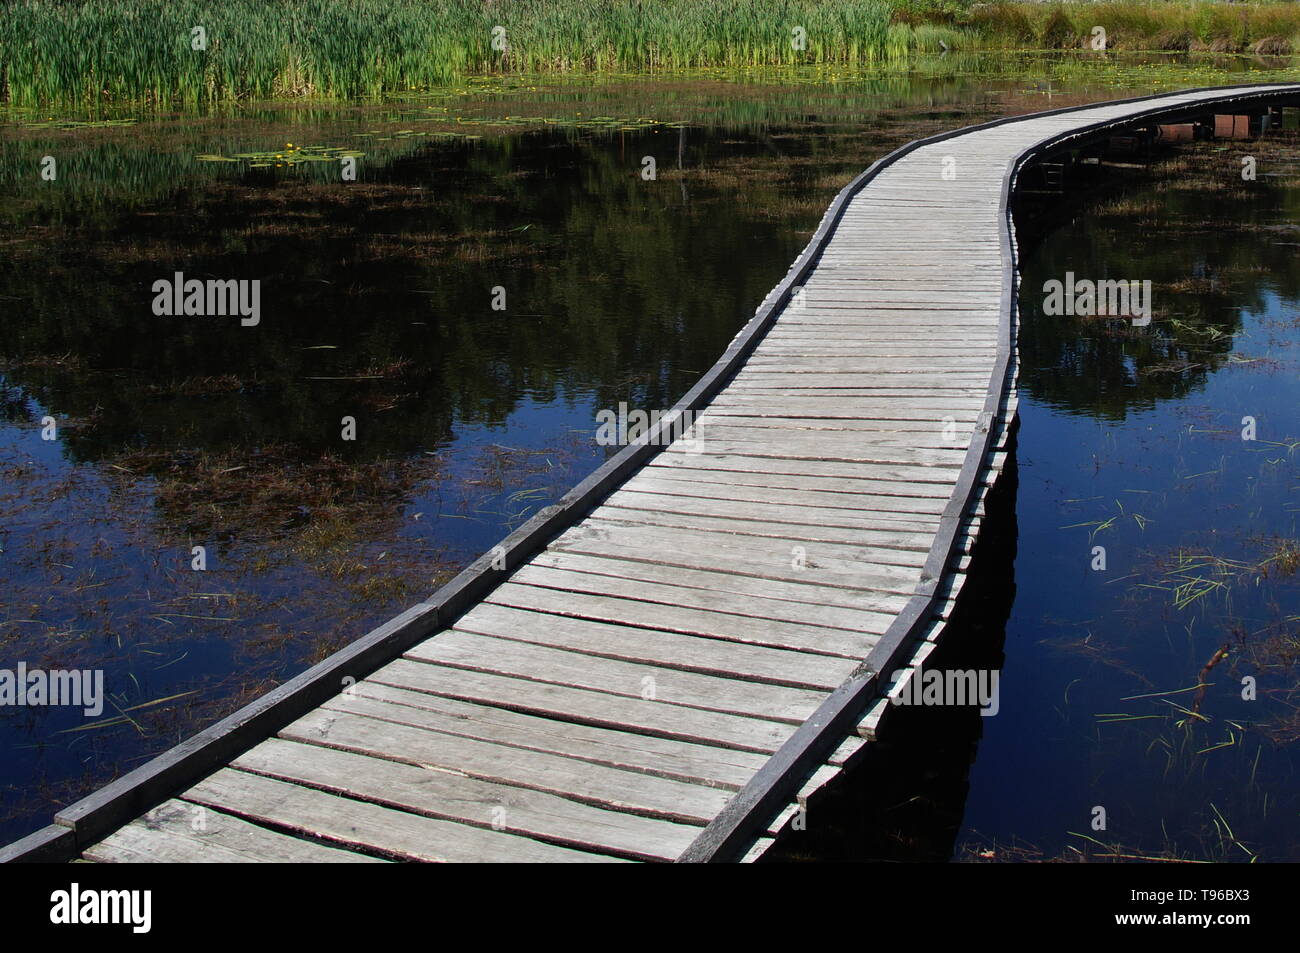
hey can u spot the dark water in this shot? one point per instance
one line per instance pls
(377, 305)
(1132, 440)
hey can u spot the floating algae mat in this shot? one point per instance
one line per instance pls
(294, 155)
(290, 155)
(594, 122)
(80, 124)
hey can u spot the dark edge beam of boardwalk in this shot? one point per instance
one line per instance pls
(86, 821)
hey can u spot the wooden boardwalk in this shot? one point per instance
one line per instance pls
(676, 671)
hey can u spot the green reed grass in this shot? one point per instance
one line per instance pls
(74, 51)
(140, 50)
(1155, 25)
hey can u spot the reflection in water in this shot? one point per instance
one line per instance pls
(1108, 368)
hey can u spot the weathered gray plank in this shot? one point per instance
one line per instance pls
(670, 686)
(590, 783)
(686, 619)
(732, 540)
(180, 833)
(802, 481)
(758, 663)
(799, 446)
(587, 707)
(849, 633)
(846, 469)
(451, 796)
(776, 512)
(717, 486)
(361, 824)
(905, 542)
(722, 552)
(715, 766)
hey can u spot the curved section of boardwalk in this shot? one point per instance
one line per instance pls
(669, 676)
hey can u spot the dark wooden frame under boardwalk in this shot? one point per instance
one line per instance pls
(726, 837)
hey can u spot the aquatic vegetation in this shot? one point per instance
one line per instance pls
(1087, 849)
(147, 50)
(290, 155)
(53, 123)
(1174, 26)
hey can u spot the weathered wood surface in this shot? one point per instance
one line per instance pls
(628, 686)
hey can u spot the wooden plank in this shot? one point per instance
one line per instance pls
(845, 469)
(690, 653)
(802, 481)
(843, 413)
(854, 567)
(670, 686)
(935, 361)
(50, 845)
(691, 621)
(400, 835)
(812, 377)
(178, 833)
(583, 781)
(634, 751)
(656, 535)
(777, 512)
(933, 431)
(717, 485)
(587, 707)
(878, 584)
(803, 446)
(905, 542)
(846, 635)
(780, 821)
(906, 394)
(454, 797)
(848, 406)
